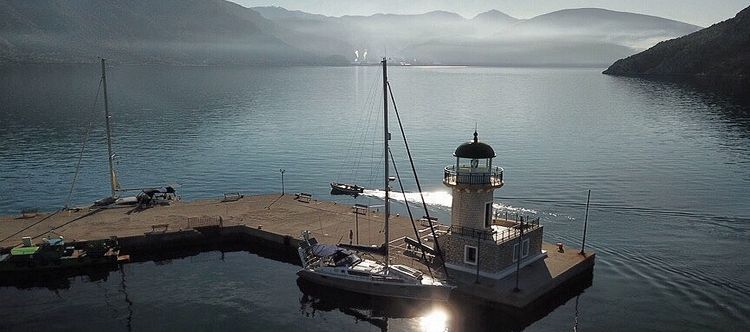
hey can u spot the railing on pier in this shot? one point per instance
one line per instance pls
(472, 232)
(502, 236)
(465, 175)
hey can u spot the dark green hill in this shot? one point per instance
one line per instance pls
(719, 51)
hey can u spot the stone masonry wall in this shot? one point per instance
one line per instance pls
(492, 258)
(468, 208)
(454, 252)
(505, 250)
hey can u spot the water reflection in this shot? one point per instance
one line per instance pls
(723, 107)
(460, 314)
(435, 321)
(54, 280)
(121, 299)
(373, 310)
(124, 291)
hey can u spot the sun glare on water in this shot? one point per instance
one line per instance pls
(435, 321)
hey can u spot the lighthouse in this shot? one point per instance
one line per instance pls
(478, 242)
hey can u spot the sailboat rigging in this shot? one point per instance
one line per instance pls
(114, 184)
(419, 189)
(112, 175)
(360, 143)
(146, 197)
(337, 267)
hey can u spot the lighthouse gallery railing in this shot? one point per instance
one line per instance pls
(466, 175)
(502, 236)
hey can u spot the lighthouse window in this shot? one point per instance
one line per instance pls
(470, 255)
(524, 247)
(488, 214)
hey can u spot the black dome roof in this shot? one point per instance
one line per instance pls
(475, 150)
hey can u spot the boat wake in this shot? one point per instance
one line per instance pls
(440, 199)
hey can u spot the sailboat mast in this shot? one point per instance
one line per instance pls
(112, 176)
(386, 137)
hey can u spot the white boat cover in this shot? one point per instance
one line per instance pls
(325, 250)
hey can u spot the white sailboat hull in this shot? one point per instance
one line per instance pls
(392, 289)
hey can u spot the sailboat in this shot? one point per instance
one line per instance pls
(147, 196)
(341, 268)
(114, 183)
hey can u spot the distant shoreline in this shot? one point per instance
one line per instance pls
(561, 66)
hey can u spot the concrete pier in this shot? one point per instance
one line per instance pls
(277, 221)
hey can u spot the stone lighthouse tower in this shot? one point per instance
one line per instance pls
(477, 242)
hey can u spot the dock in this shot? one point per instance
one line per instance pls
(276, 222)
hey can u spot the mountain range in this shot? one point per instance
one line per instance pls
(142, 31)
(577, 37)
(208, 32)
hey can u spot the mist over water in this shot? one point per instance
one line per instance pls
(668, 166)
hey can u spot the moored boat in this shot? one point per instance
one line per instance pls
(338, 267)
(148, 196)
(346, 189)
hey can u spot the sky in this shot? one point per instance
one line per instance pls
(698, 12)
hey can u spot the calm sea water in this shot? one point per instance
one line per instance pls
(668, 167)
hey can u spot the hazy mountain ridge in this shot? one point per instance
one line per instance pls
(721, 50)
(620, 28)
(494, 15)
(140, 31)
(210, 32)
(276, 13)
(578, 37)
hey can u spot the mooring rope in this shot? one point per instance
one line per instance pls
(30, 226)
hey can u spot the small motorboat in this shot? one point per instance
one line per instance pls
(346, 189)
